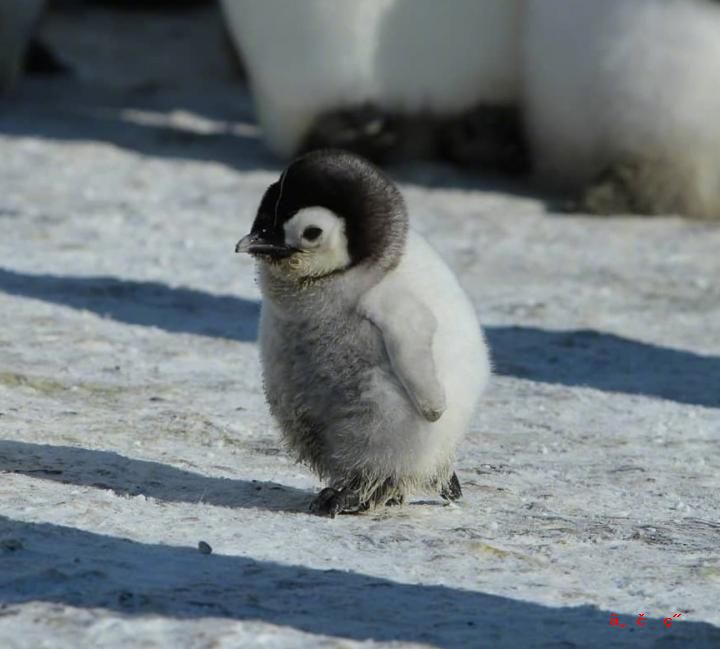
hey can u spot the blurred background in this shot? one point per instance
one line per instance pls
(611, 107)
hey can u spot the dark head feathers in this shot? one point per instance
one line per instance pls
(351, 187)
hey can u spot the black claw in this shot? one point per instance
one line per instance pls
(330, 502)
(324, 501)
(41, 60)
(452, 490)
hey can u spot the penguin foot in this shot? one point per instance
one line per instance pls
(490, 139)
(42, 61)
(364, 130)
(642, 186)
(452, 490)
(330, 502)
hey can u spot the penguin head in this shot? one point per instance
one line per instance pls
(328, 212)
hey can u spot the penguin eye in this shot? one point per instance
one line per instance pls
(311, 233)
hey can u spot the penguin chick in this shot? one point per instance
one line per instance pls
(372, 356)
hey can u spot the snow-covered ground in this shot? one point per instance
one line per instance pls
(133, 426)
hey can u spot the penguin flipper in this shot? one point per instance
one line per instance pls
(408, 328)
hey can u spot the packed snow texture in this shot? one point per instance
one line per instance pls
(133, 425)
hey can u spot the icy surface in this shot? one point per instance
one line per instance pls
(133, 427)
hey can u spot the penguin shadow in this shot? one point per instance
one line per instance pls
(132, 477)
(141, 122)
(221, 127)
(67, 566)
(149, 304)
(607, 362)
(574, 358)
(157, 124)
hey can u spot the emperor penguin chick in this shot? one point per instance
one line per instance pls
(372, 356)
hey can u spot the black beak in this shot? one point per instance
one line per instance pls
(255, 245)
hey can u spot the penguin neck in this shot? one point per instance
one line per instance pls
(293, 298)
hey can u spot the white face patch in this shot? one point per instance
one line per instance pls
(320, 236)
